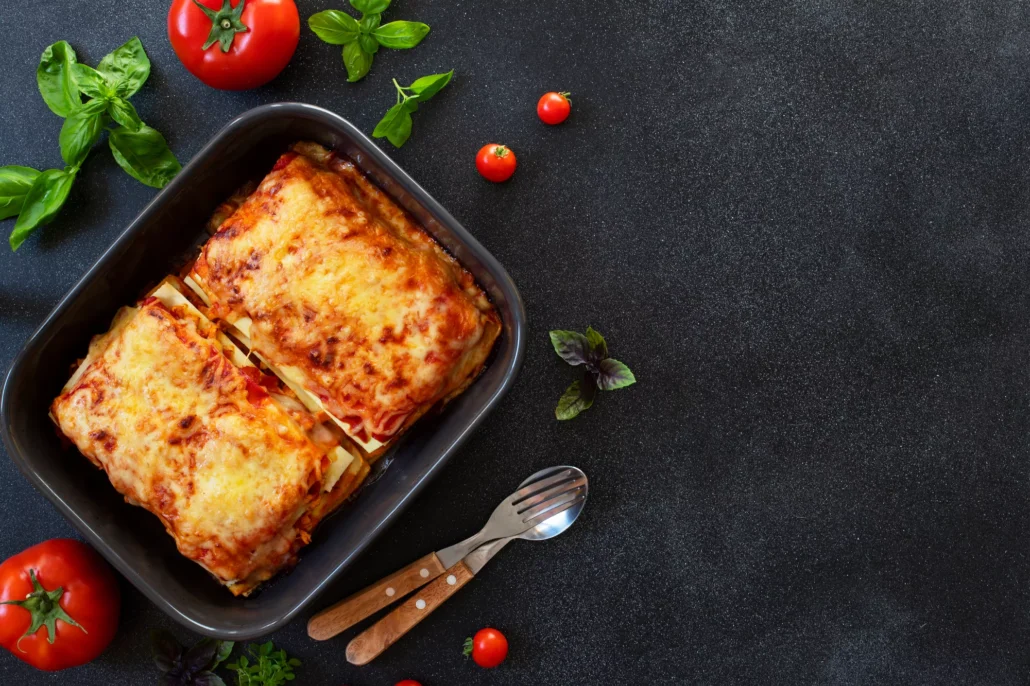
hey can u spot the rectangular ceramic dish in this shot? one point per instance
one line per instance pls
(155, 244)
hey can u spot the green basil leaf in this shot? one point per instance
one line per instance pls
(357, 61)
(368, 44)
(571, 346)
(15, 183)
(389, 121)
(614, 374)
(81, 130)
(598, 348)
(334, 27)
(369, 23)
(577, 397)
(370, 6)
(400, 133)
(401, 35)
(55, 79)
(123, 112)
(91, 82)
(144, 155)
(127, 68)
(42, 203)
(222, 654)
(428, 86)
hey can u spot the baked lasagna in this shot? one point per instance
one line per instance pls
(243, 403)
(339, 293)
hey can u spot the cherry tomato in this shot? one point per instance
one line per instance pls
(63, 583)
(408, 682)
(495, 162)
(488, 647)
(243, 52)
(554, 108)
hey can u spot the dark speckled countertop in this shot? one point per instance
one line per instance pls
(805, 226)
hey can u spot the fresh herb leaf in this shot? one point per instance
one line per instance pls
(368, 44)
(165, 649)
(144, 155)
(571, 346)
(401, 35)
(602, 372)
(613, 374)
(44, 200)
(369, 23)
(15, 183)
(80, 131)
(193, 667)
(126, 69)
(270, 667)
(577, 397)
(598, 348)
(357, 61)
(428, 86)
(91, 82)
(395, 126)
(55, 79)
(207, 679)
(123, 112)
(370, 6)
(222, 653)
(335, 27)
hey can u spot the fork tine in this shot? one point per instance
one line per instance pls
(539, 498)
(537, 486)
(546, 506)
(544, 516)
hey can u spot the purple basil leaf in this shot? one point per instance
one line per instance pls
(165, 649)
(207, 679)
(598, 348)
(577, 397)
(613, 374)
(201, 656)
(571, 346)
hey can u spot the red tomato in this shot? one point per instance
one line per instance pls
(554, 108)
(65, 584)
(408, 682)
(495, 162)
(247, 51)
(488, 647)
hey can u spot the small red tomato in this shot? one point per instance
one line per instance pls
(554, 108)
(408, 682)
(495, 162)
(60, 604)
(233, 50)
(488, 648)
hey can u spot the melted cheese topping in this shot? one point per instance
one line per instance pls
(183, 432)
(345, 297)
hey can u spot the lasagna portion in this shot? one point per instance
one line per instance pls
(338, 292)
(186, 427)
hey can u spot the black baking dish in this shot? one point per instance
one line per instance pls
(162, 234)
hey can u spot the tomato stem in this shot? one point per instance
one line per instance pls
(225, 24)
(44, 608)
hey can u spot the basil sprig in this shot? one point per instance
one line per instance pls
(36, 197)
(395, 126)
(362, 39)
(601, 372)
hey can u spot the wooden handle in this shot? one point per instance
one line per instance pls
(367, 645)
(371, 599)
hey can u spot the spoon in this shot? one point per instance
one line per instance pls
(369, 644)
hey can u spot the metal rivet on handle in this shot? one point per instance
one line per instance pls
(420, 604)
(423, 572)
(451, 579)
(390, 592)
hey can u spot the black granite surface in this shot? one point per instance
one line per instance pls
(803, 224)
